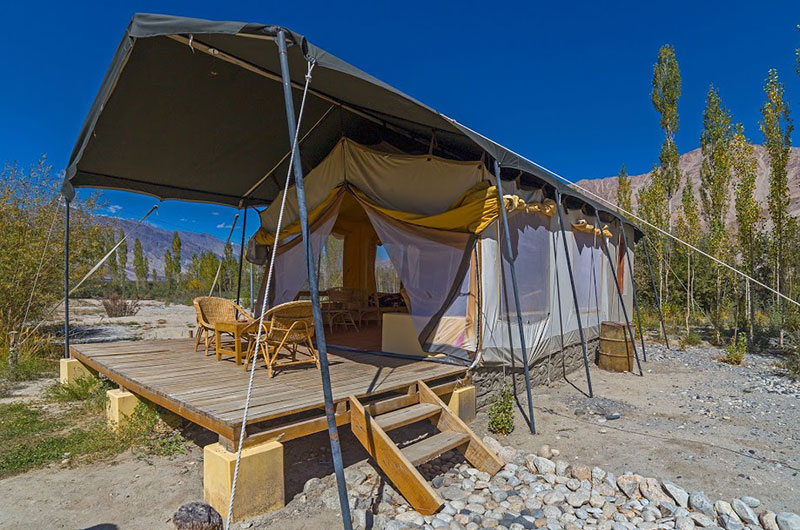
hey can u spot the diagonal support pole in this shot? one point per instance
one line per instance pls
(635, 298)
(241, 259)
(66, 278)
(574, 292)
(655, 292)
(619, 290)
(507, 233)
(302, 208)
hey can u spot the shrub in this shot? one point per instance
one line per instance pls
(736, 350)
(116, 306)
(792, 362)
(691, 339)
(501, 413)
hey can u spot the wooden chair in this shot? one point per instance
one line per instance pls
(369, 308)
(211, 310)
(285, 327)
(342, 307)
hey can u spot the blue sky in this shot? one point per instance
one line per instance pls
(565, 83)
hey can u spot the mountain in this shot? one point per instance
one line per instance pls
(690, 167)
(156, 241)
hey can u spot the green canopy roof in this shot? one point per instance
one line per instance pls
(193, 110)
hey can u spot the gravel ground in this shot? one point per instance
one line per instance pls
(730, 432)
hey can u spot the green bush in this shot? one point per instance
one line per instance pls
(736, 350)
(501, 413)
(690, 339)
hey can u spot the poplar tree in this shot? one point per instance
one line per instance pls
(140, 265)
(776, 126)
(652, 207)
(715, 183)
(665, 94)
(748, 212)
(623, 190)
(689, 229)
(176, 258)
(122, 257)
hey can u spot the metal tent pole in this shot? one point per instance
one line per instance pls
(66, 278)
(655, 292)
(504, 216)
(619, 290)
(633, 288)
(252, 298)
(241, 259)
(574, 292)
(333, 433)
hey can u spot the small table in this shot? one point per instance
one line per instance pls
(234, 327)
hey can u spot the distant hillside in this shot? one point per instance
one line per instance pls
(156, 241)
(690, 166)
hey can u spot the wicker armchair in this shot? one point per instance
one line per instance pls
(211, 310)
(285, 327)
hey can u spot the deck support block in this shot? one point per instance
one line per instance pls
(462, 403)
(120, 407)
(70, 370)
(259, 487)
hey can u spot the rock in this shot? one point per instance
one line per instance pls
(545, 452)
(576, 499)
(788, 521)
(541, 465)
(492, 444)
(197, 516)
(727, 516)
(679, 495)
(354, 477)
(359, 518)
(573, 484)
(330, 498)
(598, 475)
(311, 484)
(651, 489)
(581, 472)
(699, 502)
(744, 512)
(751, 501)
(613, 416)
(483, 475)
(437, 482)
(553, 497)
(768, 520)
(684, 523)
(453, 493)
(410, 516)
(507, 454)
(703, 520)
(629, 485)
(561, 467)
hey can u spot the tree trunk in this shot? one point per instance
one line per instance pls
(750, 311)
(688, 287)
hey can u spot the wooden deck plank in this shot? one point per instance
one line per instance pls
(211, 393)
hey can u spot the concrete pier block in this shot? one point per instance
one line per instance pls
(120, 407)
(462, 403)
(70, 370)
(259, 488)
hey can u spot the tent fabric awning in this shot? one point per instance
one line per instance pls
(193, 110)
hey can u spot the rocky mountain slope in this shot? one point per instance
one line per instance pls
(156, 241)
(690, 166)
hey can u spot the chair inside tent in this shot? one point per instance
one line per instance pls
(418, 237)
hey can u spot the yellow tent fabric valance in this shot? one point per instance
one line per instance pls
(472, 213)
(583, 226)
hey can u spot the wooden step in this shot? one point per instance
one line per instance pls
(433, 446)
(402, 417)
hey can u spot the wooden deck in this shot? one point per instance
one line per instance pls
(212, 393)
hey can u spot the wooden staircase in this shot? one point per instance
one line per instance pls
(371, 422)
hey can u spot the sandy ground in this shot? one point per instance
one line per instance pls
(702, 424)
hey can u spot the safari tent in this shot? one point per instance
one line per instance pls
(498, 261)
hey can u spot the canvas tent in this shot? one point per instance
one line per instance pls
(193, 110)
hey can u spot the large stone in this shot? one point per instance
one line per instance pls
(651, 489)
(598, 475)
(679, 495)
(576, 499)
(727, 516)
(197, 515)
(507, 454)
(768, 520)
(684, 523)
(703, 520)
(453, 493)
(744, 512)
(699, 502)
(410, 516)
(553, 498)
(354, 477)
(538, 464)
(629, 485)
(788, 521)
(492, 444)
(582, 472)
(561, 467)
